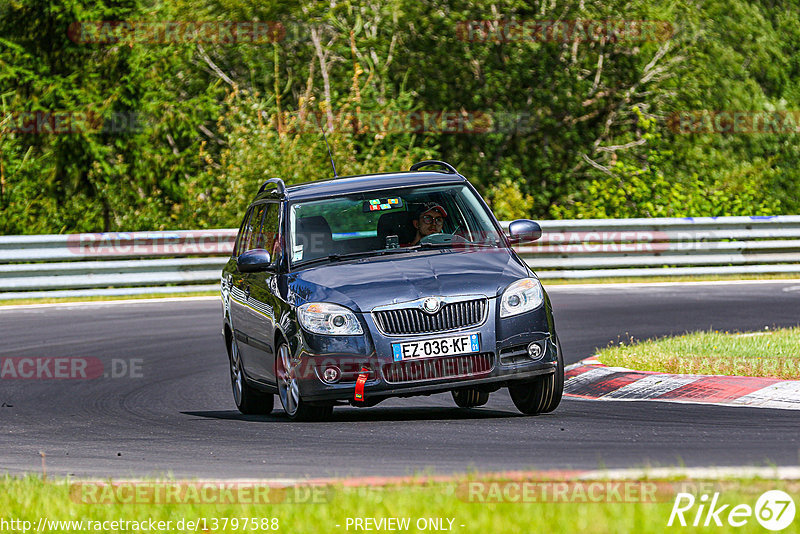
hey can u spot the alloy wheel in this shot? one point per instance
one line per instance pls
(287, 382)
(236, 373)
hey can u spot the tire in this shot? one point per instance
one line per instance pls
(470, 398)
(249, 400)
(543, 393)
(289, 391)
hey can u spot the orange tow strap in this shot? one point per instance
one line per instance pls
(362, 379)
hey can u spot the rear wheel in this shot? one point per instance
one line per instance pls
(248, 399)
(543, 393)
(470, 398)
(289, 391)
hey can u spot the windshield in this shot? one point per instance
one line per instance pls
(391, 220)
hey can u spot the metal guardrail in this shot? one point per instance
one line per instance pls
(666, 247)
(119, 263)
(129, 263)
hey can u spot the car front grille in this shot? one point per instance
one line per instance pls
(463, 366)
(415, 321)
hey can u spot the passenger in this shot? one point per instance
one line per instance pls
(429, 220)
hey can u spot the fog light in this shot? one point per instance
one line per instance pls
(535, 350)
(331, 375)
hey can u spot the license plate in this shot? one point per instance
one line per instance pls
(443, 346)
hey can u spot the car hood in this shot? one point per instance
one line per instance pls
(361, 285)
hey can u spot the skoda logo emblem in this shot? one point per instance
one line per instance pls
(431, 305)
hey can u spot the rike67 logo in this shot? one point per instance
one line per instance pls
(774, 510)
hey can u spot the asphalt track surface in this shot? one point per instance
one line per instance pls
(178, 417)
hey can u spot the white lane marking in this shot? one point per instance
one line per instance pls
(785, 395)
(649, 387)
(102, 303)
(631, 285)
(752, 334)
(696, 473)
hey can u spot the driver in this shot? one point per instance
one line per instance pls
(429, 220)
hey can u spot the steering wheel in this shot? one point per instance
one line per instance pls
(441, 238)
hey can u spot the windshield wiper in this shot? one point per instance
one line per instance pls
(350, 255)
(451, 244)
(432, 245)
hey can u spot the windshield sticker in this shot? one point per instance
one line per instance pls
(380, 204)
(298, 253)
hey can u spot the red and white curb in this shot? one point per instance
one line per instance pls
(590, 379)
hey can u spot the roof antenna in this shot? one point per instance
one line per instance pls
(329, 153)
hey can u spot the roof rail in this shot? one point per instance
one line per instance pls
(428, 162)
(277, 182)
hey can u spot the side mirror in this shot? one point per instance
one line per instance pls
(254, 261)
(524, 231)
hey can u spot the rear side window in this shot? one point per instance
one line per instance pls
(269, 236)
(251, 229)
(241, 237)
(254, 232)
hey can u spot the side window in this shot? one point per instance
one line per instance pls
(269, 235)
(242, 238)
(254, 228)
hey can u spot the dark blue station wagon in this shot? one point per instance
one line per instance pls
(361, 288)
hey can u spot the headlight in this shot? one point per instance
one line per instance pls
(330, 319)
(521, 296)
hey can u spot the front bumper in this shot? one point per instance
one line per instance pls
(503, 359)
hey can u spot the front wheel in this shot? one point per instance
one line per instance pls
(248, 400)
(470, 398)
(289, 391)
(543, 393)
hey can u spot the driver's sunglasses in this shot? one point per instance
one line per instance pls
(427, 219)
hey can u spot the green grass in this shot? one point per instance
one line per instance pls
(768, 353)
(29, 499)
